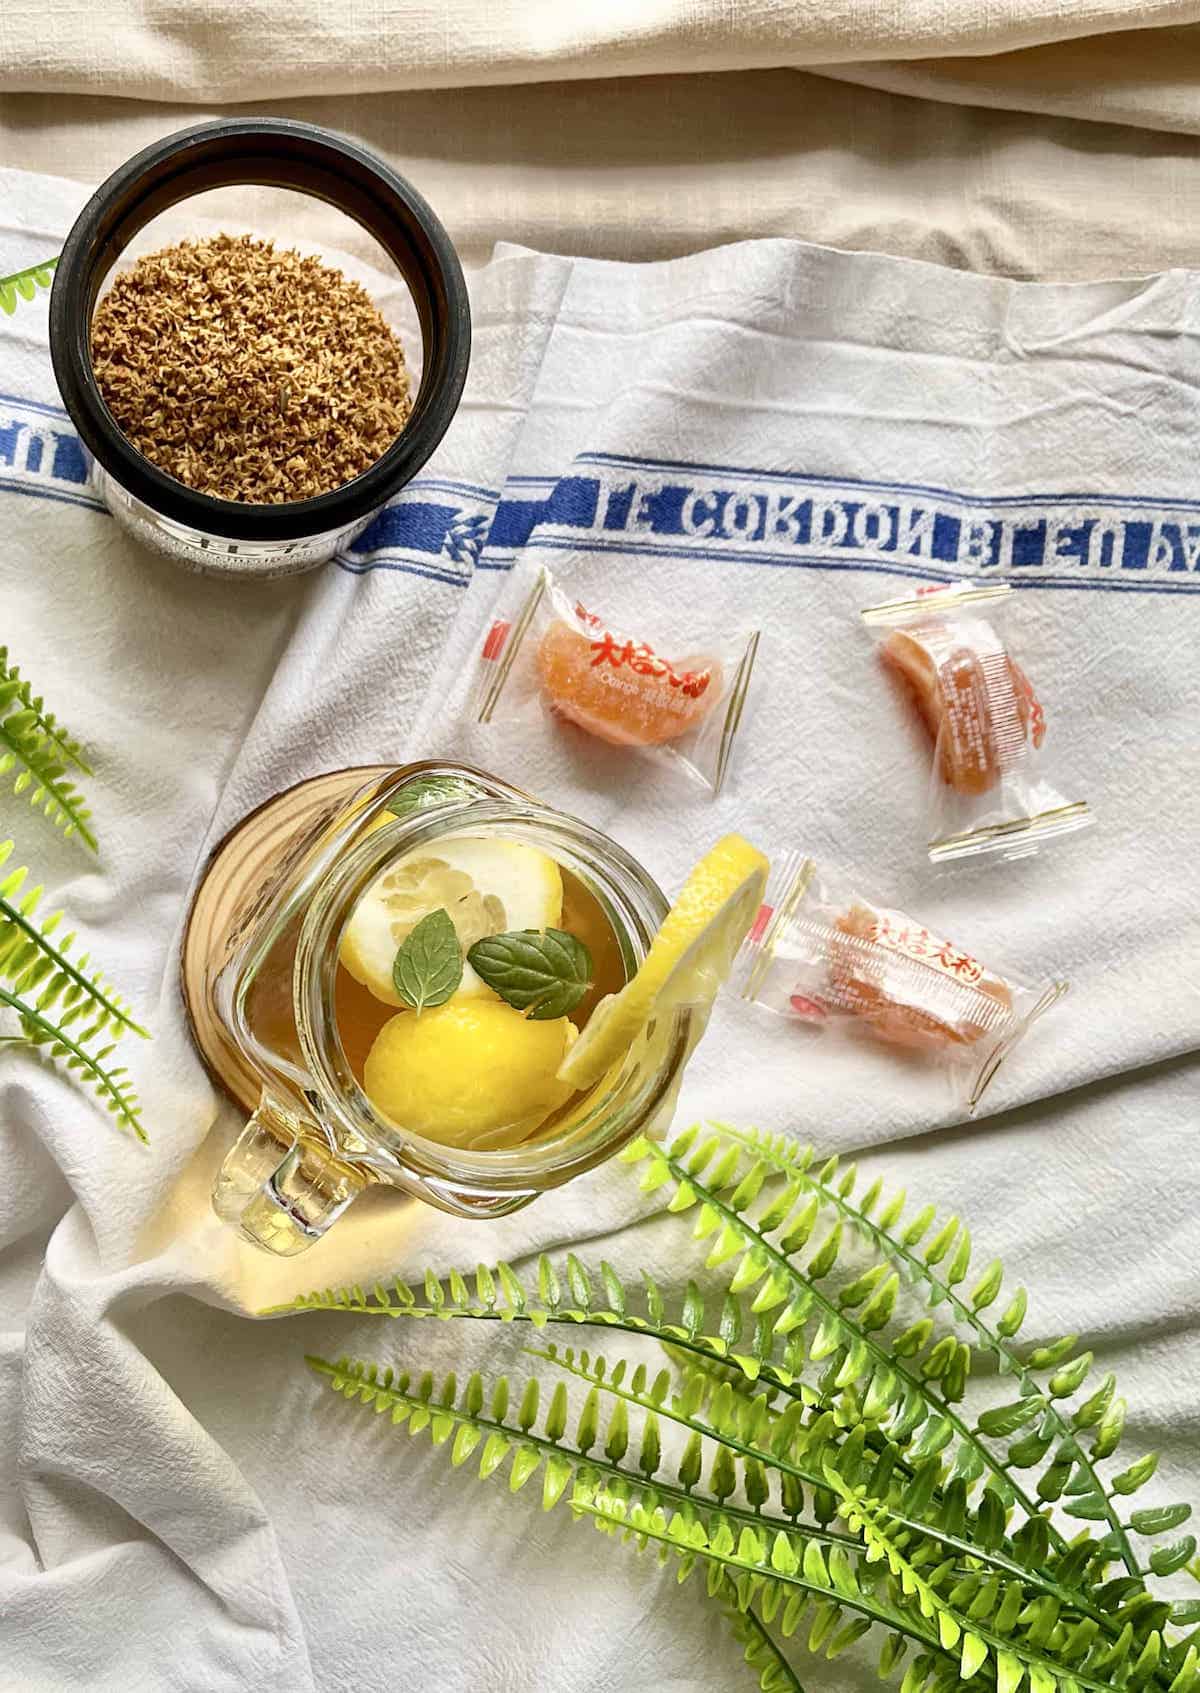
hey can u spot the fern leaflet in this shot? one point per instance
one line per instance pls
(24, 284)
(762, 1655)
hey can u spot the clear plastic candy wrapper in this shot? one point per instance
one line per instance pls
(676, 701)
(838, 965)
(989, 791)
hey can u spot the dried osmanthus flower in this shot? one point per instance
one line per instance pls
(247, 373)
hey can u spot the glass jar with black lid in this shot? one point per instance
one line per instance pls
(231, 537)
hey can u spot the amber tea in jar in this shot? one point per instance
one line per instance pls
(437, 1069)
(366, 1051)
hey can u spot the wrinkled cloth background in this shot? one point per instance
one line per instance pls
(180, 1506)
(1052, 138)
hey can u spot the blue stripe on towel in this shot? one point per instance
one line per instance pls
(442, 529)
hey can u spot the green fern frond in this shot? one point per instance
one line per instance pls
(905, 1389)
(1072, 1468)
(799, 1395)
(735, 1541)
(34, 960)
(36, 746)
(112, 1086)
(909, 1388)
(623, 1453)
(755, 1562)
(922, 1503)
(16, 693)
(64, 1007)
(1014, 1653)
(500, 1296)
(732, 1424)
(24, 284)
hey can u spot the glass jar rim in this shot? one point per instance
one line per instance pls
(282, 153)
(540, 1163)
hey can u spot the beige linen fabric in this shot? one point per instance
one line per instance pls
(1145, 77)
(558, 127)
(651, 167)
(260, 49)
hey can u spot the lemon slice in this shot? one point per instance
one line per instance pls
(486, 885)
(689, 958)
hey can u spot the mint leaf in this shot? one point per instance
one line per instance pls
(425, 791)
(428, 967)
(543, 971)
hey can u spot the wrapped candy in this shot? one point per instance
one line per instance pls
(545, 652)
(989, 792)
(830, 960)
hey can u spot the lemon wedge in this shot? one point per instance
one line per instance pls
(689, 958)
(474, 1074)
(487, 885)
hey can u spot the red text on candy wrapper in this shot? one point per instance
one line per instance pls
(917, 942)
(644, 661)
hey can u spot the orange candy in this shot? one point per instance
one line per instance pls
(890, 1000)
(953, 701)
(622, 691)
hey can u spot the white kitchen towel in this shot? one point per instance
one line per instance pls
(765, 435)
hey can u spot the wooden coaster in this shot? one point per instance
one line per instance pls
(241, 872)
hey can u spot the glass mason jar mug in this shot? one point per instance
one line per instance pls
(283, 1027)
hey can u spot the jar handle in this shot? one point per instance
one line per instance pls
(281, 1183)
